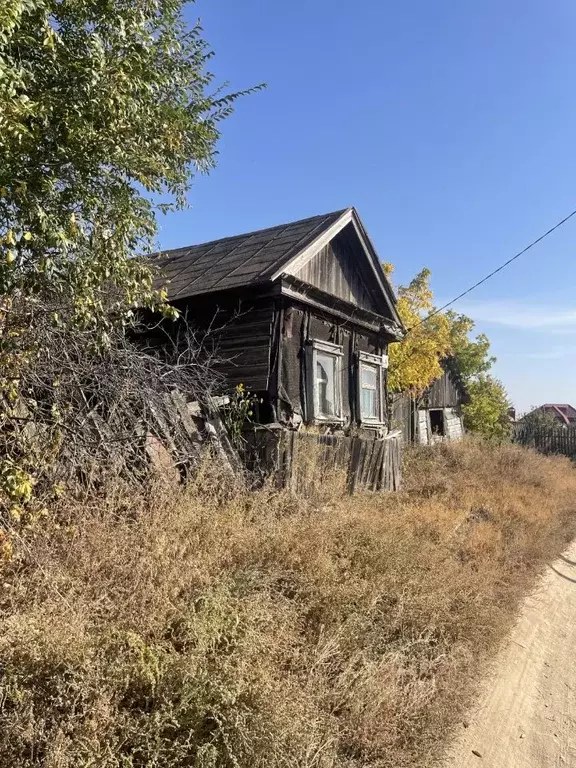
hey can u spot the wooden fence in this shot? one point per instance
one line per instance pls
(298, 459)
(547, 440)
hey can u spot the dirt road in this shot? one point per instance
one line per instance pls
(527, 715)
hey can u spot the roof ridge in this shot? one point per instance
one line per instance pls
(167, 251)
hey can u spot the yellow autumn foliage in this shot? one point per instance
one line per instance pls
(416, 362)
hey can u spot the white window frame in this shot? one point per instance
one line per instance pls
(337, 352)
(380, 364)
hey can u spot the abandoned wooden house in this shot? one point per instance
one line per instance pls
(301, 315)
(436, 415)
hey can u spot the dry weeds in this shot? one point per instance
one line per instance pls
(235, 630)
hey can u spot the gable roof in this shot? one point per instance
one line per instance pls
(562, 406)
(263, 256)
(564, 411)
(240, 260)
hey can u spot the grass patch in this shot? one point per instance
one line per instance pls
(242, 630)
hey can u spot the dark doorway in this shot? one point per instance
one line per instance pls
(437, 422)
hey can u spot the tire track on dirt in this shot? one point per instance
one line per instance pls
(526, 717)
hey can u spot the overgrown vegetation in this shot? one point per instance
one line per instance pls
(107, 110)
(445, 337)
(487, 412)
(83, 413)
(212, 627)
(205, 626)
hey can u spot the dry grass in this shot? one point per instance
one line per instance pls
(252, 630)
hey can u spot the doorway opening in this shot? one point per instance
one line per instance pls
(437, 422)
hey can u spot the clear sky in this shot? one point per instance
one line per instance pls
(449, 125)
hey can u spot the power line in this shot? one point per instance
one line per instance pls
(495, 272)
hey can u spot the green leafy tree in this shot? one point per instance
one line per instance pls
(472, 356)
(487, 412)
(106, 110)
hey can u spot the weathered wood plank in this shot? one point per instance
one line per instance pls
(547, 440)
(336, 269)
(354, 462)
(370, 464)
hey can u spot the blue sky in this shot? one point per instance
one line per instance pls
(450, 126)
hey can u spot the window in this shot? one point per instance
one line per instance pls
(369, 395)
(371, 374)
(325, 386)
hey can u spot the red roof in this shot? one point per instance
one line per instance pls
(564, 411)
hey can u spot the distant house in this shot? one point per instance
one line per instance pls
(563, 413)
(301, 314)
(436, 416)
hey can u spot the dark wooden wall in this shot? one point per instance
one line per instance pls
(260, 340)
(402, 415)
(239, 332)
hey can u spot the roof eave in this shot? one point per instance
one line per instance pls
(299, 290)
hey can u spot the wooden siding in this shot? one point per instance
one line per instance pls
(443, 393)
(290, 389)
(244, 346)
(402, 415)
(337, 269)
(238, 334)
(300, 460)
(259, 338)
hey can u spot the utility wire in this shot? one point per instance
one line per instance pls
(495, 272)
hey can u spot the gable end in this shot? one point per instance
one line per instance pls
(343, 262)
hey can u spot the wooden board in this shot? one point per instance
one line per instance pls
(369, 464)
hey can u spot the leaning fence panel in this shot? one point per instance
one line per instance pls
(299, 460)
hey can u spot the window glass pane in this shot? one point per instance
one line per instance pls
(326, 384)
(370, 395)
(369, 377)
(368, 403)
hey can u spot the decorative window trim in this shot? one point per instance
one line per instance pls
(336, 351)
(379, 363)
